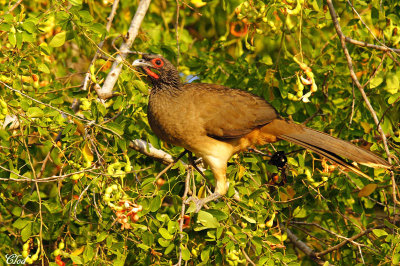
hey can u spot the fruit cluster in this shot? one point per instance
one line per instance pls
(123, 208)
(233, 258)
(301, 81)
(253, 11)
(27, 247)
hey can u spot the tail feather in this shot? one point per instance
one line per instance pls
(330, 147)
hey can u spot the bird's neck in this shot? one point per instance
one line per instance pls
(170, 86)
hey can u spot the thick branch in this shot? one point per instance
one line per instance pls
(107, 89)
(149, 150)
(303, 247)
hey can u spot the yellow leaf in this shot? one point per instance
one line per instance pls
(202, 192)
(80, 128)
(241, 172)
(367, 127)
(78, 251)
(367, 190)
(87, 153)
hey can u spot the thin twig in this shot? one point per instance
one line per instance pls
(182, 220)
(171, 164)
(341, 244)
(14, 7)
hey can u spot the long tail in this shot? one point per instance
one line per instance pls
(323, 144)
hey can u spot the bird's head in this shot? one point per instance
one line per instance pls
(158, 69)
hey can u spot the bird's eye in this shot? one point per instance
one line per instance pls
(157, 62)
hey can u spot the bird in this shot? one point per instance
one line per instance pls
(215, 122)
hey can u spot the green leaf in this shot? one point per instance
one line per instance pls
(250, 220)
(392, 83)
(172, 227)
(12, 39)
(43, 68)
(35, 112)
(220, 215)
(88, 253)
(169, 249)
(185, 253)
(377, 80)
(396, 259)
(163, 242)
(29, 26)
(115, 128)
(20, 223)
(165, 234)
(143, 246)
(393, 98)
(58, 40)
(101, 236)
(26, 232)
(207, 220)
(75, 2)
(155, 204)
(299, 212)
(379, 232)
(76, 259)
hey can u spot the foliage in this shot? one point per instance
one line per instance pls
(96, 200)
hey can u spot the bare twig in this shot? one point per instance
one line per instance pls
(171, 164)
(341, 244)
(107, 90)
(182, 220)
(110, 18)
(376, 71)
(14, 7)
(327, 230)
(354, 77)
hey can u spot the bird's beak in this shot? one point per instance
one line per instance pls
(141, 63)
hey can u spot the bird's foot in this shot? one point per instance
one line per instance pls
(201, 202)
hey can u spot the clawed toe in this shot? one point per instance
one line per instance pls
(201, 202)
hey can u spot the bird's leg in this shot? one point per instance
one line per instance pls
(221, 186)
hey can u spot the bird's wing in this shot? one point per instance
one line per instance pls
(229, 113)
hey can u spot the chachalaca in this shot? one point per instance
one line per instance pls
(215, 122)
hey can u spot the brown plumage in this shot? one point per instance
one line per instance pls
(215, 122)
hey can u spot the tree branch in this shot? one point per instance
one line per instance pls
(373, 46)
(344, 242)
(303, 246)
(149, 150)
(107, 90)
(354, 77)
(110, 18)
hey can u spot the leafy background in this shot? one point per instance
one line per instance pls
(66, 166)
